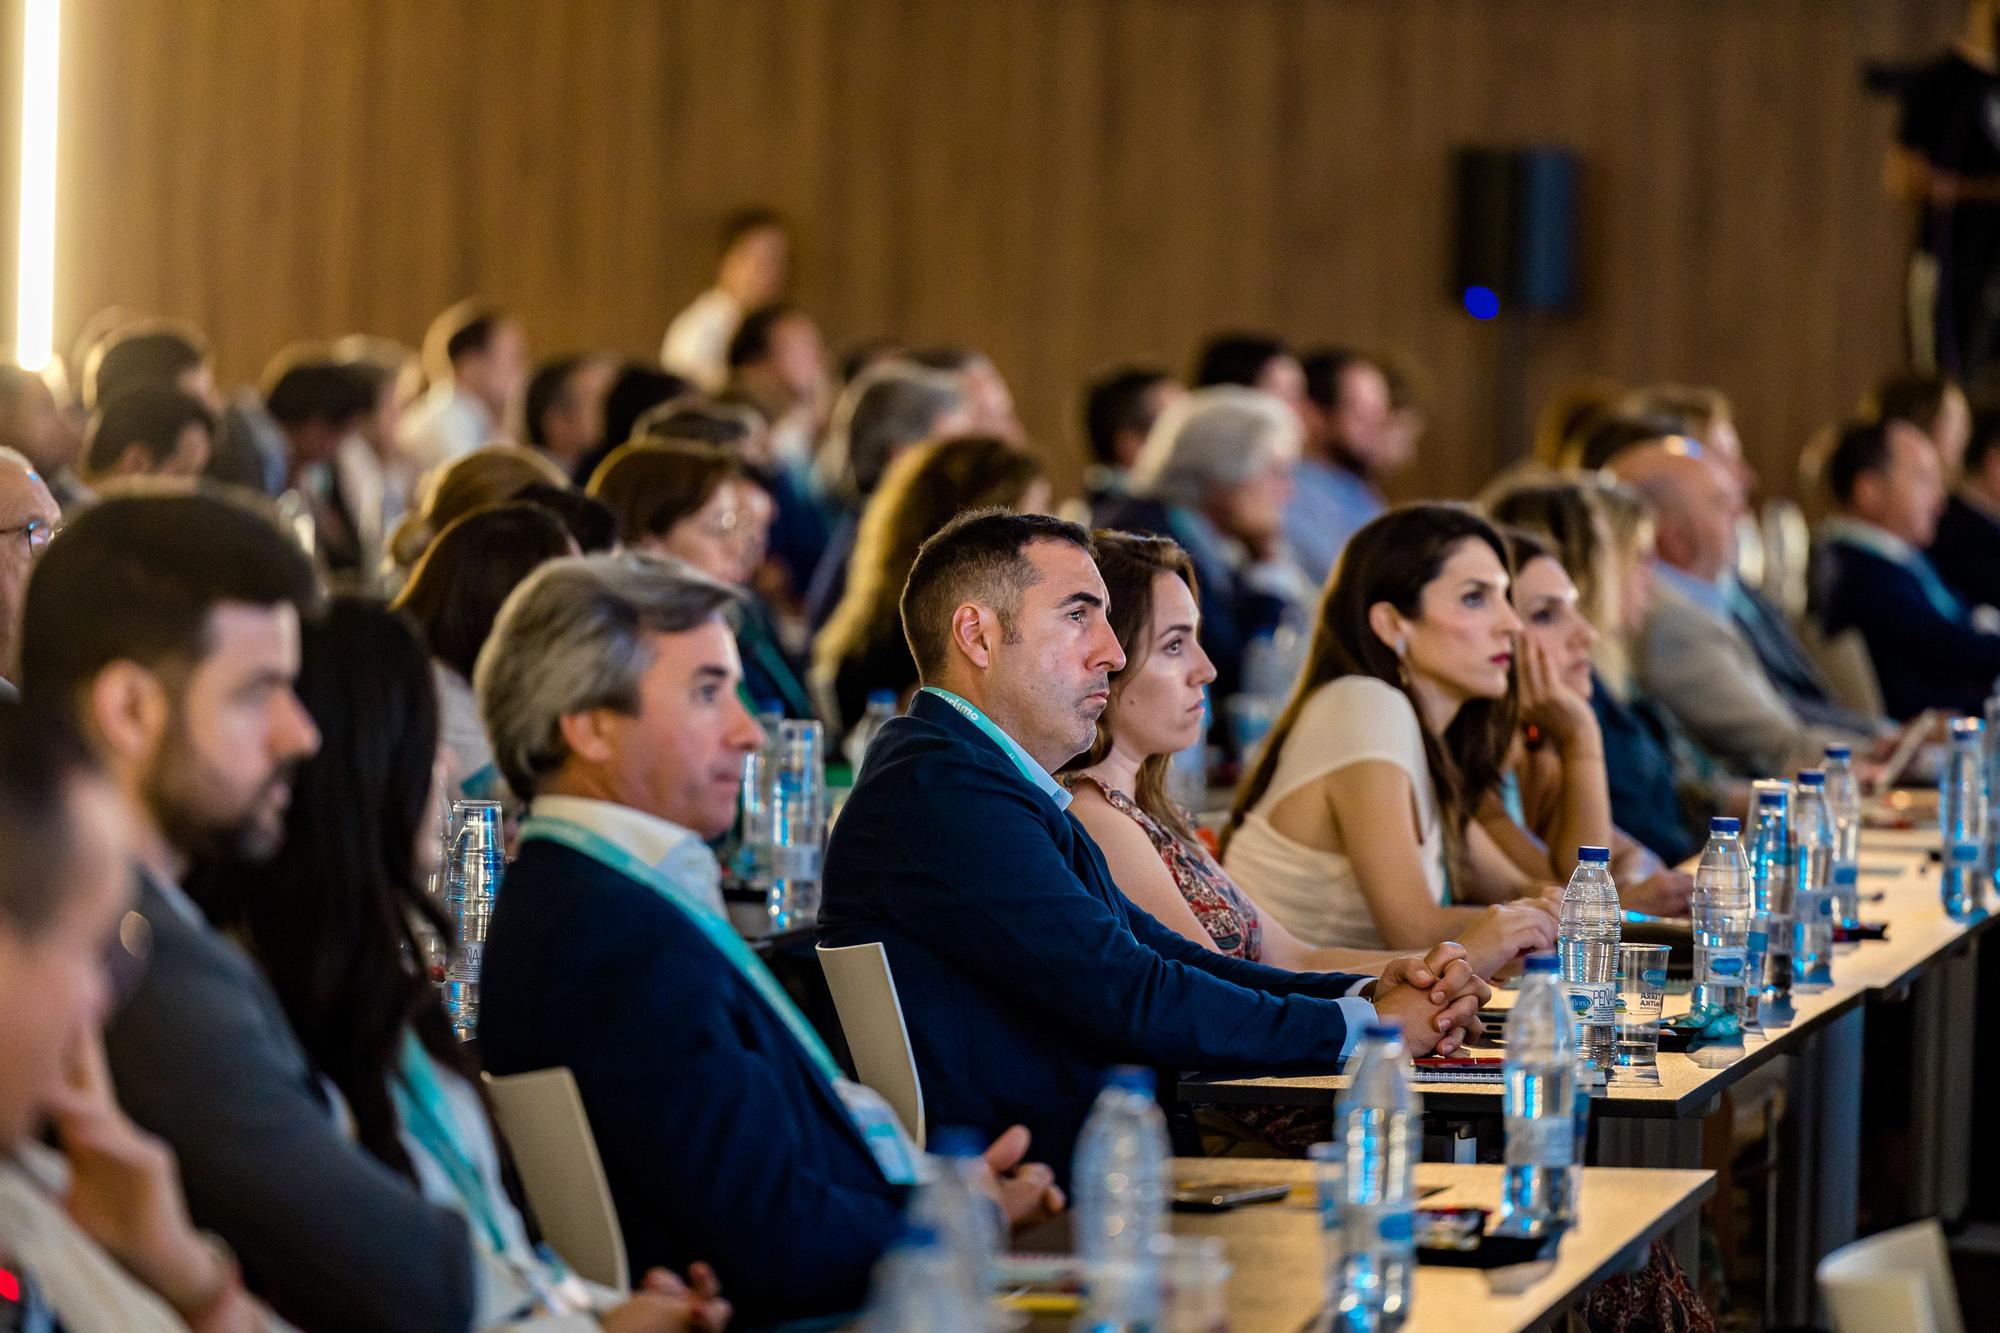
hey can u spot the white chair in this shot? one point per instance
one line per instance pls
(1899, 1280)
(871, 1016)
(1843, 659)
(541, 1114)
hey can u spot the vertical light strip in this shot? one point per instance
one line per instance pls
(35, 283)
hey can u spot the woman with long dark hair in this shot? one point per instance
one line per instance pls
(337, 919)
(1120, 783)
(1353, 826)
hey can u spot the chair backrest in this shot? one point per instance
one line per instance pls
(1899, 1279)
(871, 1016)
(1787, 552)
(541, 1114)
(1843, 659)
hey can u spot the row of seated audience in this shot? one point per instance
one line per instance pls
(581, 626)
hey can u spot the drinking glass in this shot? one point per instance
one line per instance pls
(1642, 992)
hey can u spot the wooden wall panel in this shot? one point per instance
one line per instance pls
(1063, 182)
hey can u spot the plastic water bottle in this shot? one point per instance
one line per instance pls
(1812, 899)
(881, 707)
(1381, 1122)
(965, 1220)
(1962, 817)
(1722, 912)
(1771, 871)
(1537, 1191)
(1843, 802)
(1120, 1178)
(787, 866)
(915, 1288)
(471, 879)
(1588, 944)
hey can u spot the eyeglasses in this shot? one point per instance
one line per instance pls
(35, 532)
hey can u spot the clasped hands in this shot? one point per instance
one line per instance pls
(1435, 999)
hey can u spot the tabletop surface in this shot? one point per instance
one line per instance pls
(1898, 886)
(1277, 1283)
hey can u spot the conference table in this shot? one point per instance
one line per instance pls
(1927, 960)
(1277, 1278)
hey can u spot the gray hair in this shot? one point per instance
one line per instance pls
(573, 637)
(1219, 436)
(890, 406)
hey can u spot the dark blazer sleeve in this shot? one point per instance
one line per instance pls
(988, 888)
(702, 1128)
(1893, 614)
(329, 1235)
(1271, 980)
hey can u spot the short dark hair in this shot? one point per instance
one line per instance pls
(1614, 432)
(457, 588)
(746, 221)
(752, 340)
(151, 416)
(41, 759)
(310, 386)
(1115, 402)
(1861, 447)
(548, 386)
(638, 389)
(1985, 437)
(726, 423)
(1912, 396)
(945, 357)
(459, 332)
(1324, 368)
(1236, 358)
(978, 555)
(134, 577)
(156, 352)
(591, 524)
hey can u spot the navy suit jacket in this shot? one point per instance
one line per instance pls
(1966, 553)
(1023, 971)
(719, 1138)
(1923, 658)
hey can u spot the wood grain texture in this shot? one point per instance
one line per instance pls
(1066, 183)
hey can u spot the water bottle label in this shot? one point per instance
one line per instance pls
(1726, 966)
(1549, 1141)
(1397, 1228)
(1757, 943)
(795, 862)
(1593, 1002)
(1964, 853)
(1653, 976)
(1826, 907)
(1846, 876)
(465, 961)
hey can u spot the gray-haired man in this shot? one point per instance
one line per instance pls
(728, 1134)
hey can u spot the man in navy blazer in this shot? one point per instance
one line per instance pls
(1023, 971)
(609, 690)
(1870, 574)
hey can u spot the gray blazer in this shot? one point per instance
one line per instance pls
(202, 1056)
(1705, 672)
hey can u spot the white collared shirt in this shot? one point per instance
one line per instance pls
(445, 425)
(681, 854)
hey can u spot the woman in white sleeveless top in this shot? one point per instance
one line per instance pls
(1352, 827)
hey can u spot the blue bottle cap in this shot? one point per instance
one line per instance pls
(1541, 962)
(882, 697)
(1382, 1032)
(1770, 798)
(1839, 752)
(1594, 855)
(1132, 1078)
(1812, 777)
(1725, 824)
(955, 1141)
(769, 706)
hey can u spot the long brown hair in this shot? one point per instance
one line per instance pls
(1391, 560)
(924, 489)
(1130, 563)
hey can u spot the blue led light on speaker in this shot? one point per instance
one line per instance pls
(1481, 303)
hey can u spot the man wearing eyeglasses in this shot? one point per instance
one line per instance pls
(28, 516)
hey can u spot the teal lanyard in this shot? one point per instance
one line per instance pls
(872, 1117)
(425, 1113)
(718, 931)
(1010, 747)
